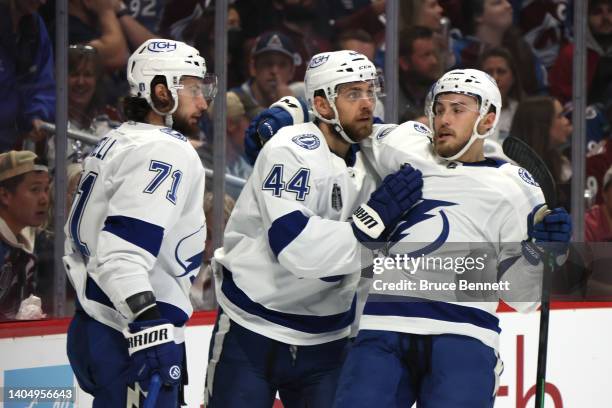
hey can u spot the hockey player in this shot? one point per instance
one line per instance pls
(428, 346)
(136, 234)
(288, 272)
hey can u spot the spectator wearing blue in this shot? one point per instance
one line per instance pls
(27, 85)
(271, 69)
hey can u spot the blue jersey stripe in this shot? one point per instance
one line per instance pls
(505, 265)
(388, 305)
(285, 229)
(303, 323)
(138, 232)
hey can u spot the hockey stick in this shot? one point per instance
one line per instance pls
(522, 154)
(154, 387)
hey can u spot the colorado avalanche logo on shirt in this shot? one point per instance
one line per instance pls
(527, 177)
(308, 141)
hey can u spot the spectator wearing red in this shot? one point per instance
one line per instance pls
(598, 220)
(599, 58)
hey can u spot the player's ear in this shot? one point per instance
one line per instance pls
(161, 97)
(322, 106)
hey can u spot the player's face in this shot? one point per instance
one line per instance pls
(497, 14)
(191, 107)
(355, 103)
(81, 86)
(560, 128)
(430, 14)
(454, 119)
(28, 205)
(499, 69)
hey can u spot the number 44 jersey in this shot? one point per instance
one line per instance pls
(137, 224)
(290, 264)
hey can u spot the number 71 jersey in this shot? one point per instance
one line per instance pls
(137, 224)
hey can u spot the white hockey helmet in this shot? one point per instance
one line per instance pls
(470, 82)
(169, 58)
(327, 70)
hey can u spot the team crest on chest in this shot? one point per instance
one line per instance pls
(308, 141)
(336, 198)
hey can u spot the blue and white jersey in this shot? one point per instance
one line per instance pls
(290, 263)
(465, 206)
(137, 224)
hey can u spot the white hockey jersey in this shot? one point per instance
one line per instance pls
(476, 210)
(290, 265)
(137, 224)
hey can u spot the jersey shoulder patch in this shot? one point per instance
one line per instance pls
(419, 127)
(308, 141)
(527, 177)
(175, 134)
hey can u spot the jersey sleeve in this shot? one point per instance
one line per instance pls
(151, 188)
(289, 201)
(524, 279)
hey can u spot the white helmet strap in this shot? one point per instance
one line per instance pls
(168, 121)
(335, 122)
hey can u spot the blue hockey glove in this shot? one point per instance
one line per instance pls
(152, 350)
(398, 192)
(286, 112)
(549, 230)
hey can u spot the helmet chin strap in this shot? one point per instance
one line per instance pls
(168, 121)
(335, 124)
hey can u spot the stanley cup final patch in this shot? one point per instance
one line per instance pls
(336, 198)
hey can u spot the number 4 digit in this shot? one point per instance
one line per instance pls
(299, 184)
(274, 181)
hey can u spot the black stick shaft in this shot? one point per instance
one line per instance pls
(543, 336)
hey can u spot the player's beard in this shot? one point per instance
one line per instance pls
(449, 150)
(359, 131)
(181, 124)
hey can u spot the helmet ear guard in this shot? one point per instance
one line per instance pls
(326, 71)
(470, 82)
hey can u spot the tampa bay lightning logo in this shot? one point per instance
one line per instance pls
(419, 127)
(385, 131)
(418, 214)
(190, 251)
(318, 60)
(527, 177)
(308, 141)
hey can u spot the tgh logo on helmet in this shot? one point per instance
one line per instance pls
(161, 46)
(318, 61)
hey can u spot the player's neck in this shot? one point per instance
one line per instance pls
(153, 118)
(474, 154)
(336, 144)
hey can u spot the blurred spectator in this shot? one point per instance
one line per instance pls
(544, 24)
(488, 24)
(24, 201)
(147, 13)
(498, 63)
(357, 40)
(133, 30)
(367, 15)
(235, 161)
(303, 23)
(541, 123)
(598, 220)
(95, 23)
(27, 85)
(202, 294)
(599, 58)
(86, 108)
(428, 13)
(272, 67)
(193, 22)
(419, 68)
